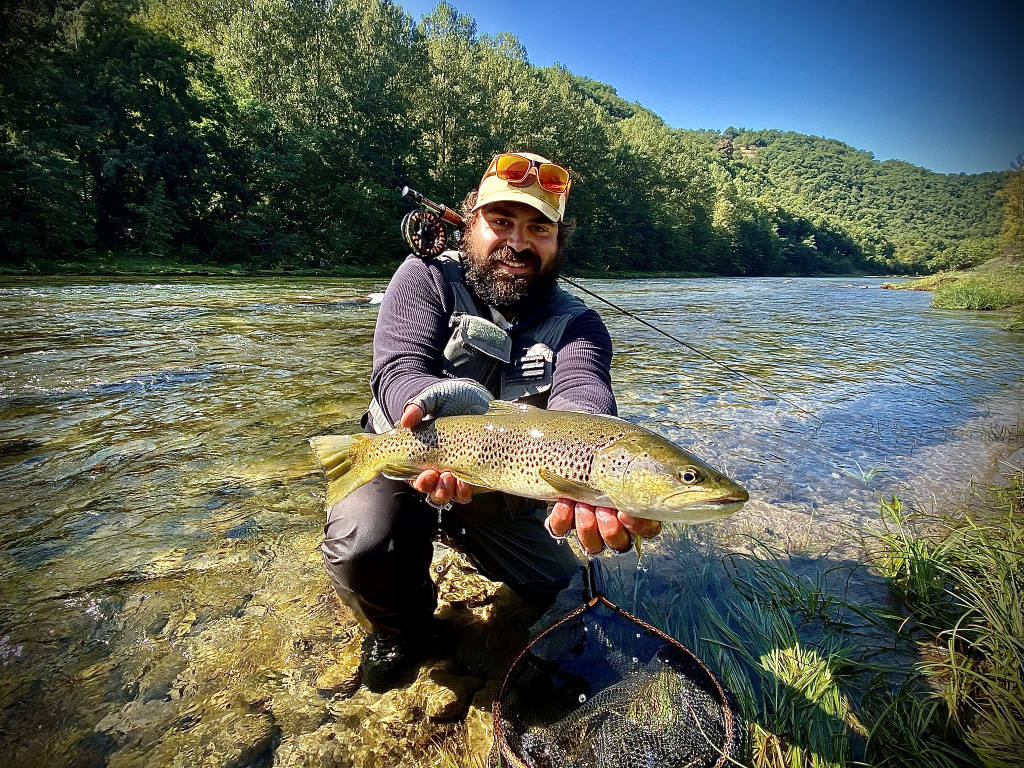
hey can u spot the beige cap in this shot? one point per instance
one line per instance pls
(493, 190)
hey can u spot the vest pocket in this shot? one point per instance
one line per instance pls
(529, 373)
(482, 335)
(475, 350)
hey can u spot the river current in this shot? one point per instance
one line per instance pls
(161, 512)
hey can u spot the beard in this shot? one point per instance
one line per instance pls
(506, 292)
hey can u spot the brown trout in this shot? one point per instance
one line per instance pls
(539, 454)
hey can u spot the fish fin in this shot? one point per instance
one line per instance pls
(566, 487)
(638, 544)
(468, 477)
(396, 472)
(507, 408)
(338, 456)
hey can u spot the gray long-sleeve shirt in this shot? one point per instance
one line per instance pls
(413, 329)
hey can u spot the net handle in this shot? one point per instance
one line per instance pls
(593, 581)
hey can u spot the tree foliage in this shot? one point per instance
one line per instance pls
(1012, 193)
(276, 133)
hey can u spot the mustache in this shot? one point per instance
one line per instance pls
(526, 255)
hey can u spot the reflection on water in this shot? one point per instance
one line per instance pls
(161, 514)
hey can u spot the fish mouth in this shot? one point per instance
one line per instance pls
(739, 498)
(703, 510)
(700, 511)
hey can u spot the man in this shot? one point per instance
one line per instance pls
(454, 333)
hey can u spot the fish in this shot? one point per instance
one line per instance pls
(540, 454)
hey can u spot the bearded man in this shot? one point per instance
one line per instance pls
(454, 332)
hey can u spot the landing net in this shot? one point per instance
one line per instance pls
(602, 689)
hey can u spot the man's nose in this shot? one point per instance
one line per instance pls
(517, 238)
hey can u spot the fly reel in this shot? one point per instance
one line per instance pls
(424, 233)
(423, 229)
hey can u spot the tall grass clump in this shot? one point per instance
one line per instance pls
(998, 284)
(988, 291)
(962, 579)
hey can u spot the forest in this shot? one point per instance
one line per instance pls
(275, 135)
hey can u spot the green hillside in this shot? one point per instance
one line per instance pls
(275, 135)
(892, 209)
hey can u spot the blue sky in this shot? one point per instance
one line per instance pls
(935, 84)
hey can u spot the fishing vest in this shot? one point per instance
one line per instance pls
(479, 348)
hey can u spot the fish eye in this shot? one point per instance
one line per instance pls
(689, 476)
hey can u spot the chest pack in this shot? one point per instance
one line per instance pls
(517, 365)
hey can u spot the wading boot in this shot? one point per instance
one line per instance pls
(388, 659)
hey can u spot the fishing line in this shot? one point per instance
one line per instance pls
(689, 346)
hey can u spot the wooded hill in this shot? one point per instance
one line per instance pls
(275, 134)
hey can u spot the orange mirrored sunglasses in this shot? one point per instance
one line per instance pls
(515, 169)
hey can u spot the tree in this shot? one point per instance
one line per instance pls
(1012, 194)
(43, 213)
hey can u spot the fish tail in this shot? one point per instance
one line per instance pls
(343, 461)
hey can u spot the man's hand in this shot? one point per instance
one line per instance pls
(442, 487)
(597, 527)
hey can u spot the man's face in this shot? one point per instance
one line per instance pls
(512, 251)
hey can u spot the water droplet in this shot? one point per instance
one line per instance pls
(637, 635)
(583, 697)
(635, 659)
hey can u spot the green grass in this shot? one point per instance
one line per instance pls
(928, 282)
(998, 284)
(982, 291)
(962, 577)
(808, 666)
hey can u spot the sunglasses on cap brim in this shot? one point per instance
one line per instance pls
(515, 169)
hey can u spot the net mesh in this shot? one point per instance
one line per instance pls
(600, 688)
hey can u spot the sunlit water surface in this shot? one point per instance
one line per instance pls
(161, 514)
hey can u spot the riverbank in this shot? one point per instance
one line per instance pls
(996, 285)
(115, 265)
(110, 264)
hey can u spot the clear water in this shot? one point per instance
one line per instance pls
(161, 513)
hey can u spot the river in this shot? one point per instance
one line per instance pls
(161, 513)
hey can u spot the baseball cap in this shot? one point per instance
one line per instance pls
(525, 177)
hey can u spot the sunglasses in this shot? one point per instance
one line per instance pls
(515, 169)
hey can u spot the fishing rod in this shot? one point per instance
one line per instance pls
(424, 232)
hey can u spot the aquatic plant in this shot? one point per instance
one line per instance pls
(913, 562)
(966, 591)
(865, 475)
(777, 641)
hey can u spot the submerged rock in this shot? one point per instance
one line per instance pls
(234, 739)
(342, 676)
(442, 694)
(448, 703)
(277, 681)
(479, 725)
